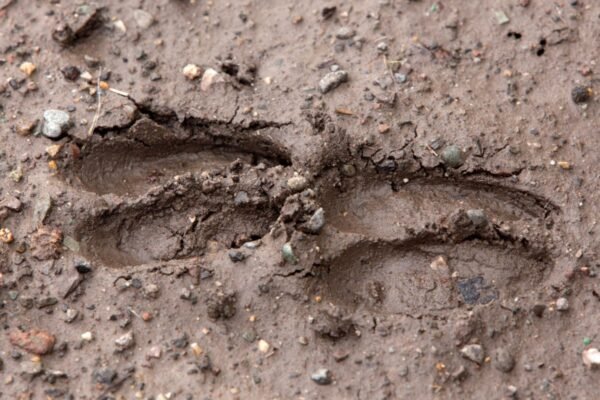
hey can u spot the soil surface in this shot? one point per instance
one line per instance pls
(378, 199)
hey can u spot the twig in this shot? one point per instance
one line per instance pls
(99, 97)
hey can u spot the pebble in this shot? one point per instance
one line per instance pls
(151, 291)
(263, 346)
(503, 360)
(209, 78)
(581, 94)
(125, 342)
(452, 156)
(591, 357)
(288, 254)
(477, 217)
(34, 341)
(297, 183)
(192, 71)
(322, 377)
(316, 222)
(154, 352)
(473, 352)
(27, 68)
(87, 336)
(241, 198)
(332, 80)
(71, 315)
(6, 235)
(104, 376)
(56, 123)
(439, 264)
(348, 170)
(345, 32)
(562, 304)
(143, 19)
(236, 255)
(196, 349)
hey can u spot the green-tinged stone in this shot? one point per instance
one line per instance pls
(71, 244)
(288, 254)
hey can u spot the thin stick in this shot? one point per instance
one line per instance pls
(99, 97)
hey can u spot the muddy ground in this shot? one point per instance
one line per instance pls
(377, 199)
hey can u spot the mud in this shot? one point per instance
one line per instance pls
(247, 234)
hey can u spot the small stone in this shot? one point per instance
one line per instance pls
(400, 78)
(511, 391)
(104, 376)
(501, 18)
(322, 377)
(303, 340)
(53, 150)
(6, 235)
(154, 352)
(345, 32)
(581, 94)
(332, 80)
(209, 78)
(477, 217)
(503, 361)
(288, 254)
(297, 183)
(27, 68)
(564, 165)
(185, 294)
(383, 128)
(26, 128)
(439, 264)
(70, 72)
(196, 349)
(236, 255)
(125, 342)
(460, 373)
(348, 170)
(71, 315)
(316, 222)
(32, 368)
(591, 358)
(452, 156)
(192, 71)
(562, 304)
(33, 341)
(56, 123)
(473, 352)
(143, 19)
(382, 47)
(241, 198)
(151, 291)
(87, 336)
(263, 346)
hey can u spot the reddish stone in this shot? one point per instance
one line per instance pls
(33, 341)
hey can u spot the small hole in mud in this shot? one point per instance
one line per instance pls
(540, 52)
(542, 42)
(514, 35)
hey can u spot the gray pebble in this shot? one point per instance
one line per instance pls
(241, 198)
(332, 80)
(56, 123)
(503, 360)
(236, 255)
(322, 377)
(345, 32)
(562, 304)
(124, 342)
(316, 222)
(297, 183)
(71, 315)
(104, 376)
(477, 217)
(473, 352)
(143, 19)
(452, 156)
